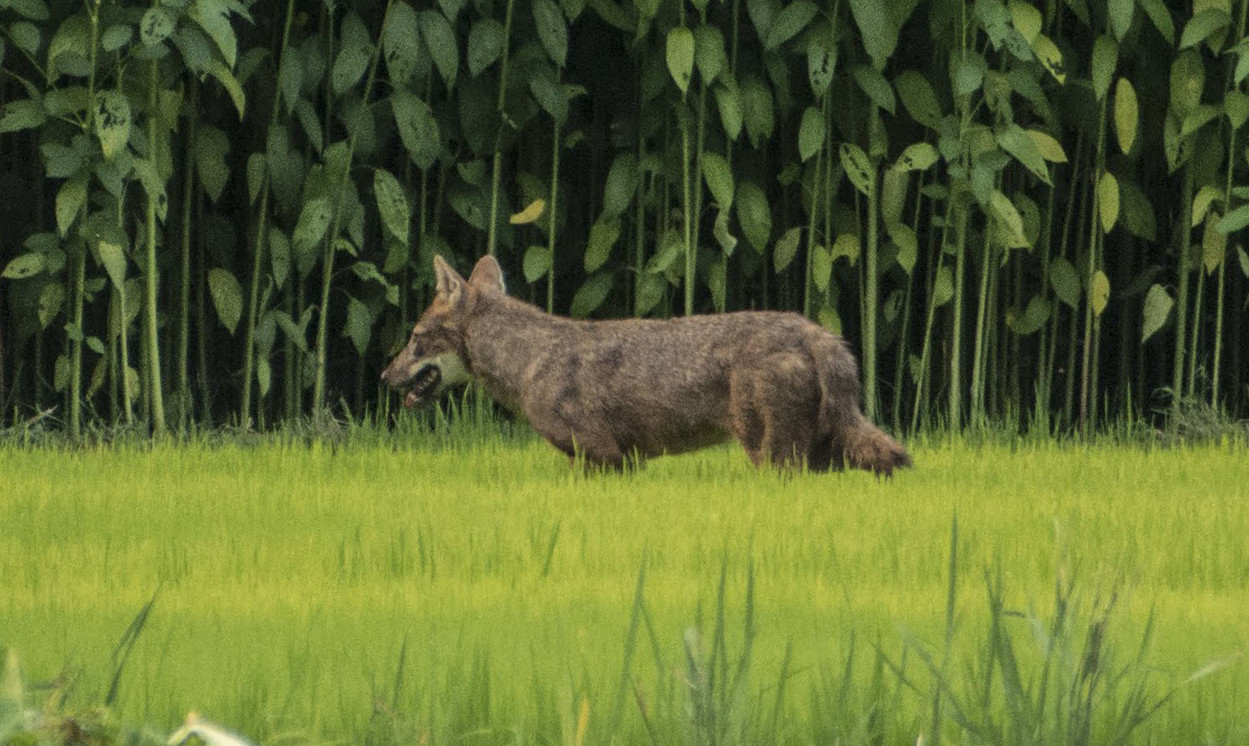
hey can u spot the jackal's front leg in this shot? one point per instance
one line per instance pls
(588, 438)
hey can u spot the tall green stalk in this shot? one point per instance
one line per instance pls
(550, 218)
(1181, 304)
(870, 290)
(184, 285)
(155, 398)
(261, 242)
(497, 171)
(1095, 234)
(327, 264)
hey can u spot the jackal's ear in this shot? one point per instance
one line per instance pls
(449, 283)
(487, 274)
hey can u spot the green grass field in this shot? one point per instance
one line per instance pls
(475, 590)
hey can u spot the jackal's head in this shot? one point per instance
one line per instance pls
(435, 358)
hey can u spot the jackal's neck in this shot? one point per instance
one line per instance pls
(503, 339)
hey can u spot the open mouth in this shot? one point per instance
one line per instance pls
(423, 384)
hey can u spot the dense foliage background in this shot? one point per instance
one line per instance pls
(1018, 212)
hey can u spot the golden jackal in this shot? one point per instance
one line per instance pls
(781, 385)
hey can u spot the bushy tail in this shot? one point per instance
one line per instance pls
(866, 446)
(855, 441)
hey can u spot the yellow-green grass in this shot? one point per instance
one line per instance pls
(289, 577)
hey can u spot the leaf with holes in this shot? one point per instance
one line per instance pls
(26, 265)
(858, 167)
(918, 156)
(112, 122)
(314, 219)
(418, 129)
(680, 56)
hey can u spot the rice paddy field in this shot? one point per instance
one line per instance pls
(413, 588)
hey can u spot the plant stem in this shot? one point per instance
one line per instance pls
(155, 399)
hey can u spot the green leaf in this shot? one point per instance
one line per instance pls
(967, 74)
(440, 40)
(1026, 19)
(359, 326)
(548, 92)
(213, 16)
(810, 133)
(1126, 113)
(942, 287)
(1201, 203)
(1016, 141)
(314, 220)
(622, 183)
(113, 257)
(1213, 244)
(876, 87)
(112, 122)
(155, 26)
(821, 58)
(1099, 292)
(1188, 78)
(1105, 60)
(35, 10)
(1120, 12)
(392, 204)
(1203, 25)
(26, 36)
(1157, 308)
(211, 147)
(719, 179)
(1108, 200)
(603, 236)
(22, 114)
(537, 263)
(418, 129)
(227, 80)
(754, 214)
(349, 67)
(1065, 281)
(552, 30)
(821, 268)
(847, 246)
(918, 156)
(918, 98)
(709, 55)
(729, 104)
(877, 28)
(279, 255)
(650, 290)
(485, 45)
(680, 56)
(720, 230)
(908, 245)
(1009, 223)
(786, 248)
(51, 300)
(591, 295)
(1160, 15)
(1137, 213)
(858, 167)
(1032, 319)
(1236, 107)
(25, 265)
(1234, 221)
(70, 200)
(758, 110)
(1049, 148)
(790, 22)
(401, 44)
(116, 37)
(1049, 56)
(1243, 259)
(227, 297)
